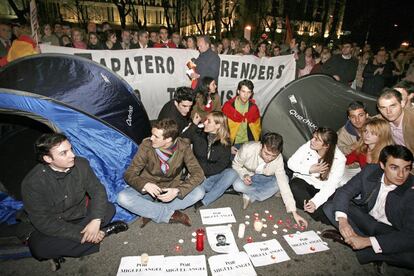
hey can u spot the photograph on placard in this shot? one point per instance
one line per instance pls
(221, 239)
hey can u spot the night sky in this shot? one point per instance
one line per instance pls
(380, 17)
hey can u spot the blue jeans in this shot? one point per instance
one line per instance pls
(145, 205)
(215, 185)
(262, 187)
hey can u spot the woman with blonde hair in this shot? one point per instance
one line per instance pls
(211, 147)
(376, 134)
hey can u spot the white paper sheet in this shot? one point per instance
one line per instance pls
(217, 216)
(131, 266)
(186, 265)
(234, 264)
(306, 242)
(266, 252)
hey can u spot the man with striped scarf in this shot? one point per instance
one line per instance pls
(157, 189)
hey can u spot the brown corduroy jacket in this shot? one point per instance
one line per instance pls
(145, 167)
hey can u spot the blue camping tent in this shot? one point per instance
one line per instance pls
(98, 111)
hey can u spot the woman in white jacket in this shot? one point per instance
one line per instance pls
(318, 167)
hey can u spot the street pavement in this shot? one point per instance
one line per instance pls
(161, 239)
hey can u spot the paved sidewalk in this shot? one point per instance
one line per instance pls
(160, 239)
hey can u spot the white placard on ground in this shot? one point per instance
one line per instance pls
(186, 265)
(217, 216)
(266, 252)
(221, 239)
(305, 242)
(131, 266)
(234, 264)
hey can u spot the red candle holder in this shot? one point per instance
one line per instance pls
(177, 248)
(270, 217)
(249, 239)
(200, 239)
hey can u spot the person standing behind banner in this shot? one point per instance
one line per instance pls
(164, 41)
(243, 116)
(207, 63)
(211, 147)
(318, 167)
(206, 99)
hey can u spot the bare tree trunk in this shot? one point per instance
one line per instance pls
(217, 18)
(332, 31)
(166, 6)
(178, 15)
(123, 11)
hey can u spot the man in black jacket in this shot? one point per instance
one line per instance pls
(379, 223)
(179, 108)
(66, 203)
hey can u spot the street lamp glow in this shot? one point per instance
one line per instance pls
(248, 27)
(405, 44)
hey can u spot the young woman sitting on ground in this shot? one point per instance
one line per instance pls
(318, 167)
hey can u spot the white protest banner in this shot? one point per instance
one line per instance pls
(266, 252)
(156, 73)
(235, 264)
(131, 266)
(305, 242)
(186, 265)
(217, 216)
(221, 239)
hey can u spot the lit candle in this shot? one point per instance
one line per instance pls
(200, 240)
(242, 228)
(258, 224)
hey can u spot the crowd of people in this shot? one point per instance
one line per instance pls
(200, 147)
(365, 69)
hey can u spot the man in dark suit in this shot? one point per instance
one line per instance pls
(374, 211)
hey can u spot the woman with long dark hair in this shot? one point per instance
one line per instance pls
(318, 167)
(206, 99)
(111, 42)
(211, 147)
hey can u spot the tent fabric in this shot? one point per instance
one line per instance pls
(108, 151)
(82, 84)
(8, 207)
(307, 103)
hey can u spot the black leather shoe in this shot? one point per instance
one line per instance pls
(334, 235)
(55, 264)
(115, 228)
